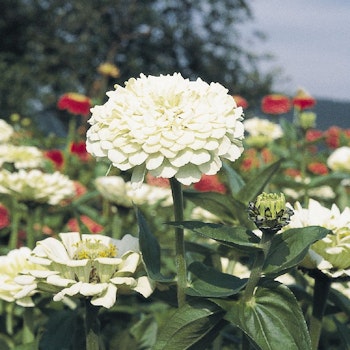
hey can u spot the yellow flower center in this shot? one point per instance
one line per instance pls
(92, 249)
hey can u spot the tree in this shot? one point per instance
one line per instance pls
(53, 46)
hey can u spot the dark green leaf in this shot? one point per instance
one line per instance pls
(344, 334)
(236, 237)
(340, 300)
(145, 332)
(213, 283)
(234, 180)
(289, 248)
(150, 250)
(188, 325)
(256, 184)
(272, 318)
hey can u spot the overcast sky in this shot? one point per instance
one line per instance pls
(310, 40)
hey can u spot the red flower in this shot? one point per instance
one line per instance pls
(313, 135)
(56, 156)
(210, 183)
(79, 149)
(240, 101)
(92, 225)
(333, 136)
(75, 103)
(4, 217)
(318, 168)
(292, 172)
(275, 104)
(303, 100)
(157, 181)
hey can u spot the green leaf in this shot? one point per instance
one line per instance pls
(234, 180)
(225, 207)
(188, 325)
(256, 184)
(145, 332)
(340, 300)
(272, 318)
(150, 250)
(289, 248)
(344, 334)
(235, 237)
(213, 283)
(28, 346)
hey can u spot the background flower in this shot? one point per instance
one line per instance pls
(339, 160)
(6, 131)
(75, 103)
(22, 157)
(275, 104)
(167, 125)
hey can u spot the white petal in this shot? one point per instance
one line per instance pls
(72, 290)
(70, 239)
(90, 289)
(107, 299)
(145, 286)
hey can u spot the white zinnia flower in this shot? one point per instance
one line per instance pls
(21, 156)
(34, 185)
(167, 125)
(339, 160)
(93, 266)
(11, 266)
(6, 131)
(116, 190)
(331, 254)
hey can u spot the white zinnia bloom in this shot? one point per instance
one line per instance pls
(168, 126)
(258, 126)
(6, 131)
(93, 266)
(11, 266)
(339, 160)
(116, 190)
(34, 185)
(21, 156)
(331, 255)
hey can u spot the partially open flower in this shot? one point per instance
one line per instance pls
(75, 103)
(269, 212)
(331, 255)
(168, 126)
(92, 266)
(109, 70)
(275, 104)
(303, 100)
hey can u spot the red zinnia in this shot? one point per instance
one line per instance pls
(292, 172)
(318, 168)
(4, 217)
(275, 104)
(79, 149)
(56, 156)
(210, 183)
(92, 225)
(240, 101)
(313, 135)
(303, 100)
(333, 136)
(75, 103)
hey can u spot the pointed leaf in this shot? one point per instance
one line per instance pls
(289, 248)
(272, 319)
(150, 250)
(236, 237)
(256, 184)
(188, 325)
(234, 180)
(213, 283)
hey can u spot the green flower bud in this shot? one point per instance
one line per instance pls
(269, 212)
(307, 120)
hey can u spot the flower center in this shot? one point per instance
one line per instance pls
(92, 249)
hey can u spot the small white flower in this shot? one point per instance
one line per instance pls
(34, 185)
(168, 126)
(116, 190)
(21, 156)
(262, 127)
(93, 266)
(339, 160)
(331, 254)
(6, 131)
(12, 266)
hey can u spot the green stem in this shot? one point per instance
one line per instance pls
(321, 291)
(15, 220)
(92, 326)
(28, 325)
(179, 242)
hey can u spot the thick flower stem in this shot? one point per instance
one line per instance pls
(92, 326)
(321, 291)
(179, 242)
(28, 323)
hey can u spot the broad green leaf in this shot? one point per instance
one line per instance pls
(256, 184)
(289, 248)
(150, 249)
(272, 318)
(213, 283)
(234, 180)
(340, 301)
(236, 237)
(145, 332)
(188, 325)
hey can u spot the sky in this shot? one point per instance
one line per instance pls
(310, 41)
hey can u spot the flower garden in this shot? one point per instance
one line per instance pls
(172, 216)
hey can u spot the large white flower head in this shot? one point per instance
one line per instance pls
(21, 156)
(168, 126)
(339, 160)
(36, 186)
(116, 190)
(331, 254)
(6, 131)
(11, 266)
(93, 266)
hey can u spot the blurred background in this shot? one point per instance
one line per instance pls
(50, 47)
